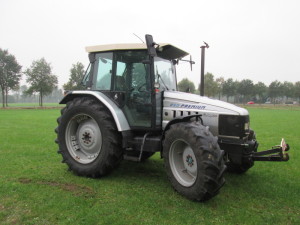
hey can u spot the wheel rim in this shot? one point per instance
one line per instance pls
(83, 138)
(183, 163)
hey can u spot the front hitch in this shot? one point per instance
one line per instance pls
(279, 153)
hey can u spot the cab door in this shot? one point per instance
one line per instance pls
(132, 77)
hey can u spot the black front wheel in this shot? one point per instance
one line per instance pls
(193, 161)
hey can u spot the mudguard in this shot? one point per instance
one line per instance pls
(116, 112)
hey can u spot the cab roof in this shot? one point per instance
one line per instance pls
(166, 51)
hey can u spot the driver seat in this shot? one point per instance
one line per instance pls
(120, 84)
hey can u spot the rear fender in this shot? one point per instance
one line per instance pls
(116, 112)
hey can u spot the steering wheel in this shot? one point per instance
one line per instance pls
(140, 88)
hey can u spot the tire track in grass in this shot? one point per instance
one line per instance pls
(75, 189)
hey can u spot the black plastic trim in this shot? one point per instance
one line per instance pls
(233, 125)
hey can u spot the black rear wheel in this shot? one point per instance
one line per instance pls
(88, 138)
(193, 161)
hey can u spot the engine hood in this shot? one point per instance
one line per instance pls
(184, 100)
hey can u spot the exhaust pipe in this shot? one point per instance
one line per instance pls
(203, 47)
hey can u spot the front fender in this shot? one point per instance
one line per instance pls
(182, 119)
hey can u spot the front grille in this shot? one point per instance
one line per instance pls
(232, 125)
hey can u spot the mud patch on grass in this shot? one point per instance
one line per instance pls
(25, 180)
(75, 189)
(78, 190)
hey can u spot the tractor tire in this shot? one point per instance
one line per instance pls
(193, 161)
(88, 139)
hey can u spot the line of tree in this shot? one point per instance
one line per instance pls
(39, 76)
(42, 82)
(20, 96)
(41, 79)
(10, 74)
(76, 77)
(244, 90)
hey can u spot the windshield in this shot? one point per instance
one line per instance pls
(165, 74)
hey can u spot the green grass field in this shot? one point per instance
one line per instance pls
(31, 105)
(36, 188)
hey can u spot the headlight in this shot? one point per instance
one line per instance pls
(247, 126)
(232, 125)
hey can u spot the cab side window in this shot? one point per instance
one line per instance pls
(120, 82)
(103, 70)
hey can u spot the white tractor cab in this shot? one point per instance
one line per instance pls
(131, 109)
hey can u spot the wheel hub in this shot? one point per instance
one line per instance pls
(183, 162)
(89, 136)
(84, 138)
(189, 160)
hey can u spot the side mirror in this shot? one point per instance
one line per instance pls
(191, 62)
(150, 45)
(92, 57)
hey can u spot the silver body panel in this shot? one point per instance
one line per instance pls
(176, 104)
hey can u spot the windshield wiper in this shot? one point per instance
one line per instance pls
(159, 76)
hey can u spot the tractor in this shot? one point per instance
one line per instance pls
(130, 109)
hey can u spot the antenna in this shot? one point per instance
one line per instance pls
(139, 38)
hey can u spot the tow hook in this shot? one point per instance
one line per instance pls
(279, 153)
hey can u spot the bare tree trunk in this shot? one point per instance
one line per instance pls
(3, 98)
(6, 94)
(41, 98)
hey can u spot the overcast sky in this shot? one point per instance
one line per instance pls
(249, 39)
